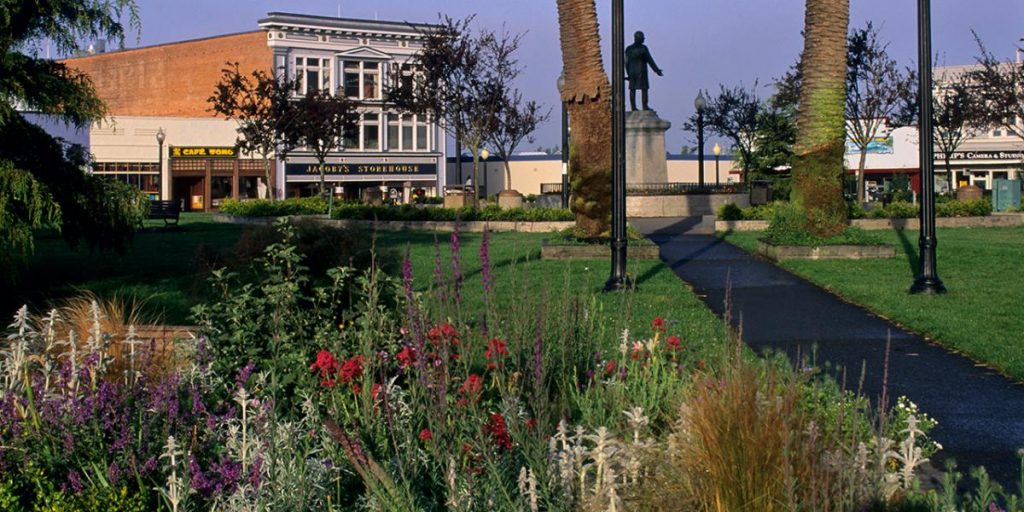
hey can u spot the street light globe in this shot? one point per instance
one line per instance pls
(160, 135)
(560, 83)
(700, 103)
(485, 154)
(717, 150)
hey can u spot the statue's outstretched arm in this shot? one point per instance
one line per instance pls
(653, 65)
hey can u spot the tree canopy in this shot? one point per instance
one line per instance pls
(42, 181)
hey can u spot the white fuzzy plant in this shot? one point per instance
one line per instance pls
(594, 468)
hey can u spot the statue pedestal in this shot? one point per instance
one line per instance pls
(645, 147)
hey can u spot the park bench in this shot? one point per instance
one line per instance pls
(166, 210)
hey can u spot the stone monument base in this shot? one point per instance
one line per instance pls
(645, 147)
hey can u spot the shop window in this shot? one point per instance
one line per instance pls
(220, 188)
(312, 73)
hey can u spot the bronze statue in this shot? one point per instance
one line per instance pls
(637, 59)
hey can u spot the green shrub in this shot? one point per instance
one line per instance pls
(762, 212)
(788, 227)
(465, 214)
(901, 210)
(973, 208)
(268, 208)
(730, 211)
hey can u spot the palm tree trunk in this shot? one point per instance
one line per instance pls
(821, 131)
(587, 95)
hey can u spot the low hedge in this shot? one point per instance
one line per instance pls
(280, 208)
(894, 210)
(465, 214)
(904, 210)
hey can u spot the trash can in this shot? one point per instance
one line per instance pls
(1005, 195)
(760, 192)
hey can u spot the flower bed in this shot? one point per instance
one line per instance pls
(397, 399)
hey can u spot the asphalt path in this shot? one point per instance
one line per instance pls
(980, 412)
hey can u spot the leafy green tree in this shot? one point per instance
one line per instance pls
(958, 112)
(262, 106)
(1001, 91)
(733, 114)
(323, 120)
(876, 88)
(42, 178)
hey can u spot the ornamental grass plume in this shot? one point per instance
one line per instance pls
(744, 442)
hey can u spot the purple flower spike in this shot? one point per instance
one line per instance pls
(485, 262)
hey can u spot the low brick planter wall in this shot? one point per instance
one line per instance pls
(403, 225)
(994, 220)
(825, 252)
(595, 252)
(685, 205)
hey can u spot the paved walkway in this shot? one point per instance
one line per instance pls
(980, 413)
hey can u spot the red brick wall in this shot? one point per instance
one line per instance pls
(172, 80)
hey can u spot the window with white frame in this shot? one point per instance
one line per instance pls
(361, 80)
(312, 73)
(371, 131)
(408, 132)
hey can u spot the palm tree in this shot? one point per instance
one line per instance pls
(821, 135)
(587, 95)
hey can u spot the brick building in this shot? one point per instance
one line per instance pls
(164, 89)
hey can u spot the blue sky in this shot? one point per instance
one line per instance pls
(699, 44)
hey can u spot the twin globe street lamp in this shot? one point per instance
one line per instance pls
(160, 137)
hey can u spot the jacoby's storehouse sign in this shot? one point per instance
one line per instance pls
(348, 169)
(986, 155)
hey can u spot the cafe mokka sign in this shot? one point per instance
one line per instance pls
(347, 169)
(963, 156)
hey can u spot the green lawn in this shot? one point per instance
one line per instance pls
(981, 267)
(520, 275)
(162, 266)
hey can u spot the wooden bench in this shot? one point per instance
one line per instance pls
(166, 210)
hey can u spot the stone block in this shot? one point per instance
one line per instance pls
(645, 147)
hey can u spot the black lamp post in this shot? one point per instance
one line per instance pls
(700, 103)
(927, 277)
(160, 136)
(618, 279)
(717, 150)
(565, 143)
(484, 155)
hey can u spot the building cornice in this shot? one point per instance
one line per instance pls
(344, 26)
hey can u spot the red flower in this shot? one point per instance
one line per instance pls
(473, 385)
(531, 424)
(496, 348)
(609, 367)
(426, 435)
(352, 369)
(674, 343)
(406, 357)
(327, 366)
(375, 391)
(498, 431)
(658, 324)
(442, 332)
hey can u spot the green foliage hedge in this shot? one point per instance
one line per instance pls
(904, 210)
(894, 210)
(788, 227)
(465, 214)
(268, 208)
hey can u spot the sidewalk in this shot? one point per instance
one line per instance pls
(980, 413)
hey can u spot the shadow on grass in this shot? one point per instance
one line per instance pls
(909, 250)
